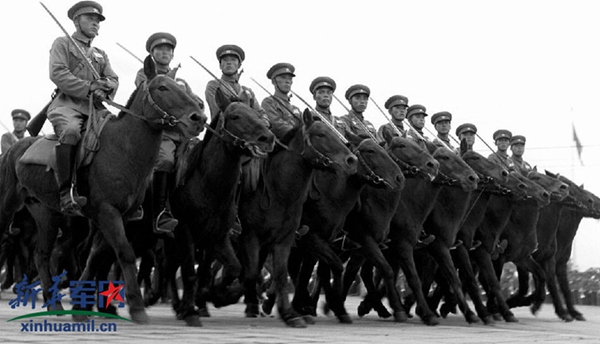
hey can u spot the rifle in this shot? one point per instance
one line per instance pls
(35, 125)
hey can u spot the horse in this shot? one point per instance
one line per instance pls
(578, 200)
(332, 198)
(114, 181)
(204, 202)
(270, 215)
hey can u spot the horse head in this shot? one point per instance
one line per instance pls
(578, 197)
(454, 170)
(241, 127)
(375, 165)
(533, 191)
(322, 147)
(488, 171)
(412, 159)
(171, 107)
(558, 190)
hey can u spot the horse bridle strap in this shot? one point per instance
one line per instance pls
(407, 169)
(165, 119)
(371, 175)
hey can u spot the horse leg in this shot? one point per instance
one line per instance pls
(249, 257)
(227, 293)
(465, 269)
(563, 282)
(281, 253)
(518, 299)
(448, 270)
(110, 222)
(539, 278)
(372, 252)
(374, 295)
(407, 263)
(491, 284)
(47, 221)
(550, 268)
(301, 301)
(185, 246)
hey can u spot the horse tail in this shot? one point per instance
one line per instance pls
(11, 199)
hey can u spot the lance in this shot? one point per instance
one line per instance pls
(493, 151)
(130, 53)
(362, 125)
(215, 77)
(87, 61)
(325, 120)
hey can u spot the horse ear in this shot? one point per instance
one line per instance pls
(353, 138)
(387, 136)
(548, 173)
(222, 101)
(463, 147)
(149, 68)
(307, 118)
(535, 168)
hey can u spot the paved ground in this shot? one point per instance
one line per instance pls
(227, 325)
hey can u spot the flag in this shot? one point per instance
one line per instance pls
(577, 144)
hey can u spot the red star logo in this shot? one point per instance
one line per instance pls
(112, 293)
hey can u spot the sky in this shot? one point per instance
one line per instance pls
(530, 66)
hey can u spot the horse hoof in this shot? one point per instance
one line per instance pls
(308, 319)
(447, 309)
(363, 309)
(344, 319)
(578, 317)
(400, 316)
(267, 306)
(567, 318)
(297, 322)
(139, 317)
(384, 313)
(251, 310)
(203, 312)
(326, 308)
(430, 320)
(471, 318)
(110, 310)
(488, 320)
(510, 318)
(193, 321)
(57, 307)
(497, 316)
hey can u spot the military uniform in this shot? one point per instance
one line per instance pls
(502, 158)
(521, 165)
(230, 82)
(387, 130)
(352, 121)
(282, 115)
(10, 138)
(414, 133)
(327, 82)
(466, 128)
(76, 83)
(440, 140)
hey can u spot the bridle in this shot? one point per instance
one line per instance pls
(308, 147)
(165, 119)
(407, 169)
(371, 176)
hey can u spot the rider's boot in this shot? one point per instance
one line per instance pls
(70, 202)
(164, 222)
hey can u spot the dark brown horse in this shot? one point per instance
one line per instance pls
(114, 182)
(271, 214)
(551, 219)
(332, 198)
(205, 202)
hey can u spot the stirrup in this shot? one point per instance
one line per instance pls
(165, 225)
(137, 215)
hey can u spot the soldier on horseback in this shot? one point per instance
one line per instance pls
(416, 118)
(230, 58)
(467, 131)
(397, 106)
(322, 89)
(161, 47)
(281, 113)
(79, 93)
(20, 118)
(517, 146)
(502, 139)
(358, 97)
(442, 123)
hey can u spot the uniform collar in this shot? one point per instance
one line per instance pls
(82, 38)
(358, 115)
(232, 79)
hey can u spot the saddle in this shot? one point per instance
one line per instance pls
(42, 151)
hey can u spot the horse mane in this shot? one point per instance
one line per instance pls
(195, 155)
(287, 138)
(129, 101)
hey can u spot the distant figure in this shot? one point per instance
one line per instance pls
(20, 118)
(416, 117)
(397, 106)
(281, 113)
(442, 123)
(358, 97)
